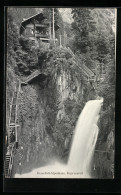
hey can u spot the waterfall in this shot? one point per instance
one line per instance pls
(82, 149)
(85, 138)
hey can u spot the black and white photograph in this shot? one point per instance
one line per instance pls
(60, 92)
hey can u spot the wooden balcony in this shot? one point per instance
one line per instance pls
(39, 35)
(45, 39)
(41, 25)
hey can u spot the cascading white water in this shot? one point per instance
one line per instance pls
(85, 138)
(82, 149)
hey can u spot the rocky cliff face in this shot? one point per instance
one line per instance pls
(47, 115)
(66, 15)
(32, 135)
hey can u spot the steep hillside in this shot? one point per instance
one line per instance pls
(49, 105)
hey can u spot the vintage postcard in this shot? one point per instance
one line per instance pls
(60, 92)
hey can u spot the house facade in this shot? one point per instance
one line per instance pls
(39, 29)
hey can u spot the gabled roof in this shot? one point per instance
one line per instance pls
(34, 16)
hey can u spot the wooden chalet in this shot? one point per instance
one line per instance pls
(38, 29)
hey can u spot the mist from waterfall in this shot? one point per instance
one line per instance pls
(82, 149)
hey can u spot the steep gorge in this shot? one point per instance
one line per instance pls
(49, 107)
(48, 111)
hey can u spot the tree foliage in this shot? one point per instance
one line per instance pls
(93, 33)
(94, 42)
(48, 12)
(19, 13)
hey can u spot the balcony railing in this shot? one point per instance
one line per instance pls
(41, 25)
(41, 35)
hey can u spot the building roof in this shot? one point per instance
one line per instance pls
(36, 16)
